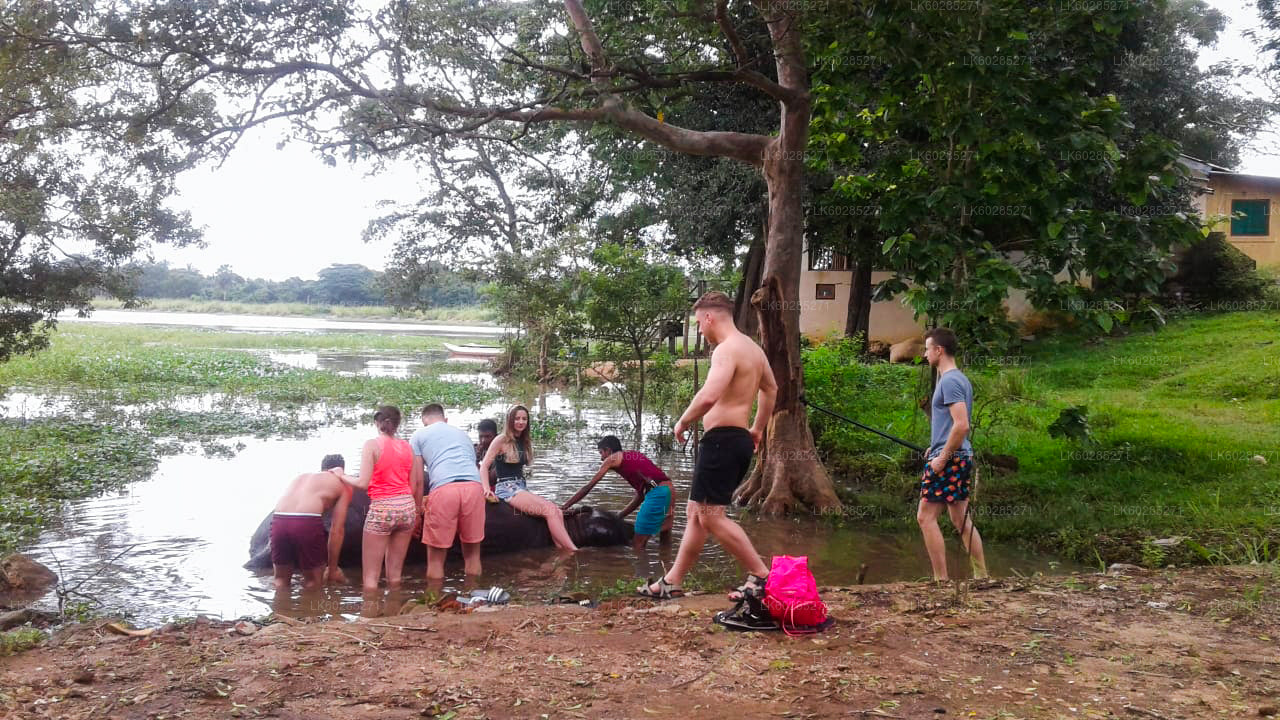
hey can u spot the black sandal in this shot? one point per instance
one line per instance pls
(753, 585)
(666, 591)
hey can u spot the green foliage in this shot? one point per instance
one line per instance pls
(54, 460)
(1176, 421)
(137, 372)
(1214, 272)
(82, 188)
(630, 300)
(1073, 424)
(539, 293)
(879, 395)
(20, 640)
(980, 151)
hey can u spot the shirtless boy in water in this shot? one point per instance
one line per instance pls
(298, 537)
(740, 374)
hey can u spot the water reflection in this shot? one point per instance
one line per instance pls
(174, 544)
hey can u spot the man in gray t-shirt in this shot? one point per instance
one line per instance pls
(949, 463)
(454, 506)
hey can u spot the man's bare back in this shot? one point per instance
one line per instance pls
(748, 367)
(311, 493)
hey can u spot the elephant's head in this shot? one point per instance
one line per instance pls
(593, 527)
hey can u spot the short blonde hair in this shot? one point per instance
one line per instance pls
(714, 300)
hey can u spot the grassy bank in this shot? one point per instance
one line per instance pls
(462, 315)
(1178, 417)
(123, 397)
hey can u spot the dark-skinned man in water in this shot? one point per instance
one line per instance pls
(739, 375)
(654, 495)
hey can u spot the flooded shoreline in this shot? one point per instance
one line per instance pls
(172, 543)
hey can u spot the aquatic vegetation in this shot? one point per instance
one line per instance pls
(137, 367)
(453, 314)
(110, 402)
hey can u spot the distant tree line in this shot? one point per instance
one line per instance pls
(334, 285)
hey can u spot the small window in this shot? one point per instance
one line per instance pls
(826, 291)
(1250, 217)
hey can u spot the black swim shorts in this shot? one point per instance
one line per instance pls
(724, 455)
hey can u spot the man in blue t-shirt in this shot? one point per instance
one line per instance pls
(949, 461)
(454, 505)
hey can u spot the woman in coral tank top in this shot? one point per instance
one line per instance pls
(385, 462)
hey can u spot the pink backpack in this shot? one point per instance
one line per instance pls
(791, 596)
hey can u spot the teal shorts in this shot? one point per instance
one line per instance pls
(653, 511)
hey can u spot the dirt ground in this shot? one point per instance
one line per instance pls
(1190, 644)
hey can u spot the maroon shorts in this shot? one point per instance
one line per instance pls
(299, 541)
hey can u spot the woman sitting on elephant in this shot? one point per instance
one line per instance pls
(508, 454)
(385, 462)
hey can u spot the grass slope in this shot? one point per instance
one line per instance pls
(1179, 416)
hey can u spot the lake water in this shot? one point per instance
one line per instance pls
(269, 323)
(173, 544)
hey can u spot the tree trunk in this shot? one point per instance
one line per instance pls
(858, 319)
(788, 473)
(640, 401)
(745, 315)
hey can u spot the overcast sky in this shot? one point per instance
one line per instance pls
(273, 213)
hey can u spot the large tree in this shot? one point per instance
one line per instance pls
(992, 162)
(82, 185)
(354, 83)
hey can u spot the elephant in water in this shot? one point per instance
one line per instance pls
(505, 530)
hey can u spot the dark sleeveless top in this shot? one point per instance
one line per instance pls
(510, 471)
(639, 470)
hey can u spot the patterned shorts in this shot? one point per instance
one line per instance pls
(391, 514)
(952, 484)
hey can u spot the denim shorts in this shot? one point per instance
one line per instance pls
(508, 487)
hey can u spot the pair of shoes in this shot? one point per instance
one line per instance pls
(494, 595)
(666, 590)
(752, 586)
(748, 615)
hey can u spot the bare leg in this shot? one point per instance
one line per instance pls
(969, 536)
(471, 559)
(397, 546)
(435, 562)
(313, 578)
(695, 537)
(283, 576)
(927, 517)
(639, 542)
(734, 539)
(373, 548)
(664, 535)
(530, 504)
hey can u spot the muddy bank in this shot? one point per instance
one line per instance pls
(1198, 643)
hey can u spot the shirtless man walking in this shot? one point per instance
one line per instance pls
(298, 537)
(740, 374)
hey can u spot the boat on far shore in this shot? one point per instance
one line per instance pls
(472, 352)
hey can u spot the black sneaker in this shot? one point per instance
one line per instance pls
(748, 615)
